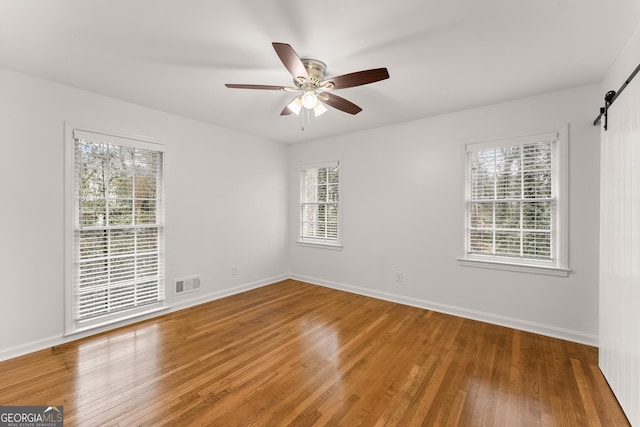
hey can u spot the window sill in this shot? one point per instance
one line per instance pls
(520, 268)
(320, 245)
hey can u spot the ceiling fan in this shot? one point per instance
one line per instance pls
(313, 86)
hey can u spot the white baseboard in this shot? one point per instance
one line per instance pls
(21, 350)
(10, 353)
(211, 296)
(524, 325)
(510, 322)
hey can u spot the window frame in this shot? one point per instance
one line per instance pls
(558, 265)
(72, 324)
(319, 242)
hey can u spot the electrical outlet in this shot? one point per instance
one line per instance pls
(234, 270)
(398, 276)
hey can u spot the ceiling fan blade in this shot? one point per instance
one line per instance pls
(291, 60)
(262, 87)
(340, 103)
(358, 78)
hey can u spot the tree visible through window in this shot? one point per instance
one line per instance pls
(118, 230)
(319, 208)
(512, 200)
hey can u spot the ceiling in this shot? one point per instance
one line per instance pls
(442, 55)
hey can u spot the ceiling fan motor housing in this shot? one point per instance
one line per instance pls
(317, 71)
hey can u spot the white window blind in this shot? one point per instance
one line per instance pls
(320, 204)
(512, 202)
(118, 227)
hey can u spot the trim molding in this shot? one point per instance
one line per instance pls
(31, 347)
(523, 325)
(520, 268)
(510, 322)
(191, 302)
(53, 341)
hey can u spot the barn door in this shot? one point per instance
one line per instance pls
(620, 251)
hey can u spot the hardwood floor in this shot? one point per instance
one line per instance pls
(297, 354)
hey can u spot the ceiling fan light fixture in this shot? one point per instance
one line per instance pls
(295, 106)
(309, 100)
(319, 109)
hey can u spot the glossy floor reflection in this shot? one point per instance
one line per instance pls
(297, 354)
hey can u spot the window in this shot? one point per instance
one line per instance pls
(116, 235)
(320, 204)
(515, 202)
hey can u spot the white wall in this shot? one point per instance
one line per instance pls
(402, 193)
(402, 211)
(225, 192)
(624, 65)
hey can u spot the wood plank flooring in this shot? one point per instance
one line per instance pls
(295, 354)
